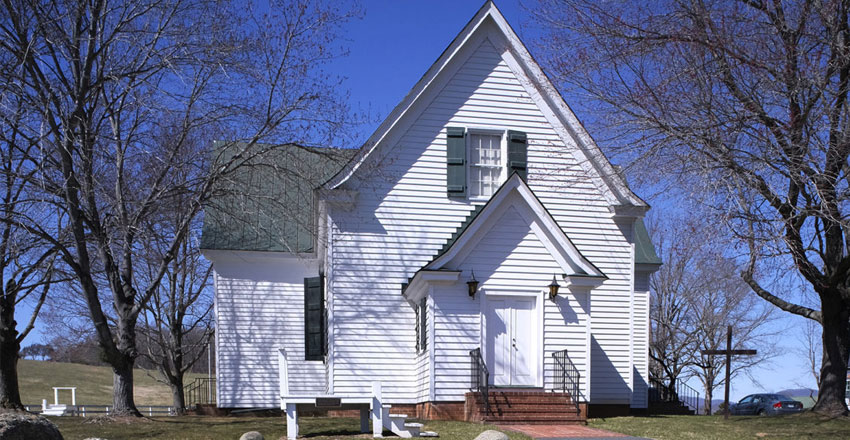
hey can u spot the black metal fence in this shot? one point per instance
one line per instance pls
(480, 377)
(201, 391)
(660, 392)
(567, 376)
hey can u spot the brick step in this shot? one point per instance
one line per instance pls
(532, 399)
(530, 411)
(537, 408)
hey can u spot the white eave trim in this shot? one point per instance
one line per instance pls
(338, 198)
(423, 279)
(584, 281)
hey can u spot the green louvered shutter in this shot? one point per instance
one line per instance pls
(455, 162)
(517, 153)
(314, 319)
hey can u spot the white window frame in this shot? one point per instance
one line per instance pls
(503, 144)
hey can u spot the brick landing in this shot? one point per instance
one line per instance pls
(563, 432)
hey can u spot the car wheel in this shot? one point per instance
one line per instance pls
(761, 413)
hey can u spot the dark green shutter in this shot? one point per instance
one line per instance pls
(455, 162)
(517, 153)
(314, 319)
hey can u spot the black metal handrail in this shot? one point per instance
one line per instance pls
(480, 377)
(201, 391)
(567, 376)
(678, 392)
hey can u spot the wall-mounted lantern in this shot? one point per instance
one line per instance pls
(472, 284)
(553, 288)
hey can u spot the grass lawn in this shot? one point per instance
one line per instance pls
(94, 384)
(272, 428)
(802, 426)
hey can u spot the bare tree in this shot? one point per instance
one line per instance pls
(749, 98)
(178, 319)
(26, 261)
(99, 77)
(671, 347)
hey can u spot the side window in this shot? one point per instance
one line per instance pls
(422, 325)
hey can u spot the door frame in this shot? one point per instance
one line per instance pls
(539, 306)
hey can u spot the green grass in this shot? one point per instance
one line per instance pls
(94, 384)
(272, 428)
(801, 426)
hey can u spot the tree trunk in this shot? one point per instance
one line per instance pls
(709, 395)
(833, 372)
(10, 396)
(122, 388)
(177, 396)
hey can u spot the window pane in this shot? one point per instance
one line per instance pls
(485, 164)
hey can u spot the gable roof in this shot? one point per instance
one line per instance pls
(513, 193)
(610, 183)
(559, 244)
(267, 203)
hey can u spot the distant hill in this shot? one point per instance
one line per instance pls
(799, 392)
(94, 384)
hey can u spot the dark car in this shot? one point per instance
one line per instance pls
(766, 405)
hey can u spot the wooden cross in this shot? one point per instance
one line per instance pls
(728, 352)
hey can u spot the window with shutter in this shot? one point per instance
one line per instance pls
(422, 326)
(315, 333)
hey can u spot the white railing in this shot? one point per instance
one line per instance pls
(93, 410)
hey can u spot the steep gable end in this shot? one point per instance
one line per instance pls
(488, 42)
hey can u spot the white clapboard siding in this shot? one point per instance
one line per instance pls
(402, 217)
(260, 307)
(509, 258)
(641, 341)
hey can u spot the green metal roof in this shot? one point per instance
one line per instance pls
(644, 250)
(267, 203)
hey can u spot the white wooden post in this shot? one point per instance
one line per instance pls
(284, 373)
(291, 421)
(43, 404)
(364, 420)
(74, 396)
(377, 411)
(55, 396)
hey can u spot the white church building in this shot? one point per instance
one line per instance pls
(478, 256)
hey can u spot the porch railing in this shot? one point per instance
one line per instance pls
(201, 391)
(567, 376)
(480, 377)
(660, 392)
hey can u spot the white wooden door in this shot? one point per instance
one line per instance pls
(512, 341)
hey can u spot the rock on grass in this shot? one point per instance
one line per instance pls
(16, 425)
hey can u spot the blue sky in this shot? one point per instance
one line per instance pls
(394, 44)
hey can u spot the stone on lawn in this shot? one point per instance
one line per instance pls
(251, 435)
(16, 425)
(492, 435)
